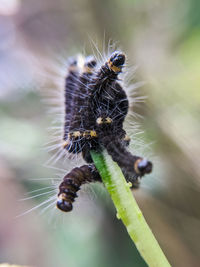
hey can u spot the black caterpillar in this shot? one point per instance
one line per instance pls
(95, 108)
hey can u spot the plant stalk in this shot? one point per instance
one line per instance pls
(128, 210)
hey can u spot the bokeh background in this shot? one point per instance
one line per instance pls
(162, 38)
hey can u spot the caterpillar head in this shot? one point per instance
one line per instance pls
(143, 166)
(116, 61)
(63, 204)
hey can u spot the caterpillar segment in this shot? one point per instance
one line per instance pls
(70, 88)
(76, 134)
(71, 185)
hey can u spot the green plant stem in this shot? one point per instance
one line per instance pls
(128, 210)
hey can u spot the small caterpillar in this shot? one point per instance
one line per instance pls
(95, 108)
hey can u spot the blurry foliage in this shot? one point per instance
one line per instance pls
(162, 39)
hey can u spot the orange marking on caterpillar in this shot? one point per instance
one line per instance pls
(126, 138)
(89, 134)
(66, 143)
(108, 120)
(93, 133)
(136, 165)
(113, 67)
(99, 120)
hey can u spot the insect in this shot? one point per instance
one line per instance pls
(95, 108)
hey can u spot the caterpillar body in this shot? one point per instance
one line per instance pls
(95, 108)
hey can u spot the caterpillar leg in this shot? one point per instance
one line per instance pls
(71, 184)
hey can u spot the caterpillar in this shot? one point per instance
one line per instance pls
(95, 109)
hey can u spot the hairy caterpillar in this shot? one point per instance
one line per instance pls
(95, 108)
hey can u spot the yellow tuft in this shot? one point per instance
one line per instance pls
(93, 133)
(72, 68)
(86, 134)
(76, 134)
(108, 120)
(99, 120)
(62, 196)
(127, 138)
(87, 69)
(113, 67)
(65, 143)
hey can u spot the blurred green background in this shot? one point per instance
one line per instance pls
(162, 38)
